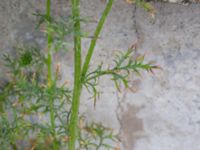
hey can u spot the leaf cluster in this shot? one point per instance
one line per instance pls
(125, 65)
(59, 29)
(95, 136)
(27, 96)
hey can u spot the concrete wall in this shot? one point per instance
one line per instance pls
(162, 112)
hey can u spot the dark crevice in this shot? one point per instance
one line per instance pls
(121, 96)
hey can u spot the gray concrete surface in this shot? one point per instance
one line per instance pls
(162, 112)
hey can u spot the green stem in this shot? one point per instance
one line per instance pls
(49, 76)
(77, 75)
(106, 72)
(49, 43)
(94, 40)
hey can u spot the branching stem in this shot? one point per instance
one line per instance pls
(96, 35)
(79, 74)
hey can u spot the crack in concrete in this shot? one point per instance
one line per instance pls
(139, 34)
(131, 127)
(118, 110)
(135, 23)
(122, 95)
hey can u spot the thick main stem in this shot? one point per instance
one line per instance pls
(49, 76)
(77, 75)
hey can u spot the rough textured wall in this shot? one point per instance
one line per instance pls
(162, 111)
